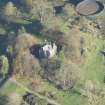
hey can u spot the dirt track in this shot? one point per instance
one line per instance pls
(53, 102)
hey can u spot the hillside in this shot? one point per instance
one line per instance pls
(52, 52)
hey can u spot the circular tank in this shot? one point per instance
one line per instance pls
(89, 7)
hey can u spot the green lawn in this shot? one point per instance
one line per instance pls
(65, 98)
(94, 66)
(10, 87)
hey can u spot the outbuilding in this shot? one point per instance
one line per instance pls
(48, 50)
(89, 7)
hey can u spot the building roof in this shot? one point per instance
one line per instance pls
(48, 50)
(87, 7)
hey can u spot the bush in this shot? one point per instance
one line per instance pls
(63, 74)
(50, 68)
(4, 66)
(3, 100)
(24, 63)
(67, 75)
(40, 10)
(34, 100)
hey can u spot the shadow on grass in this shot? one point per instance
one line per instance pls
(74, 91)
(2, 82)
(3, 100)
(35, 50)
(74, 2)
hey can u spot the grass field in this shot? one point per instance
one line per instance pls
(10, 87)
(94, 66)
(92, 69)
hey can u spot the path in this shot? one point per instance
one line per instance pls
(53, 102)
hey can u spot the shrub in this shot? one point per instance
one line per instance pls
(4, 66)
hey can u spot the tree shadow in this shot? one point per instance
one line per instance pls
(74, 2)
(101, 7)
(103, 53)
(73, 91)
(3, 100)
(35, 50)
(58, 9)
(2, 82)
(35, 27)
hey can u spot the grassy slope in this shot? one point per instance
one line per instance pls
(10, 87)
(64, 97)
(92, 69)
(94, 66)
